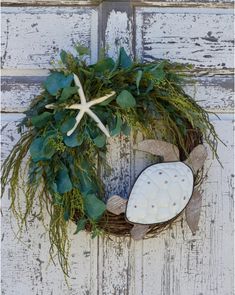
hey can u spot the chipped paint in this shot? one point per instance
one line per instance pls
(175, 262)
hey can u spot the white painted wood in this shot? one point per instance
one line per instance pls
(202, 37)
(52, 2)
(184, 3)
(118, 33)
(32, 37)
(213, 93)
(175, 262)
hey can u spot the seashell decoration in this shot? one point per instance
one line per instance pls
(160, 193)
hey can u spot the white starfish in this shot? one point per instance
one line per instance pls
(84, 107)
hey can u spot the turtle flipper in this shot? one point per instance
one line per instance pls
(116, 205)
(197, 158)
(138, 231)
(193, 210)
(169, 151)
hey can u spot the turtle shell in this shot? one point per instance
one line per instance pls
(160, 193)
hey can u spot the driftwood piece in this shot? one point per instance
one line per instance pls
(197, 158)
(193, 210)
(116, 205)
(139, 231)
(160, 148)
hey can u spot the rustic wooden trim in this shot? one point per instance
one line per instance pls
(135, 3)
(188, 4)
(50, 3)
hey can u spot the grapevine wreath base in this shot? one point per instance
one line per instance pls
(118, 225)
(65, 135)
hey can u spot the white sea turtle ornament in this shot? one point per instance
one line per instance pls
(162, 190)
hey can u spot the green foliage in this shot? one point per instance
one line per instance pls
(62, 170)
(94, 207)
(126, 100)
(57, 81)
(41, 120)
(67, 92)
(63, 181)
(100, 141)
(80, 225)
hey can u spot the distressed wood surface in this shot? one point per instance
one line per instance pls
(202, 37)
(214, 93)
(116, 27)
(51, 2)
(174, 263)
(32, 37)
(187, 3)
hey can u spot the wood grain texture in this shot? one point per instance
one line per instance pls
(175, 262)
(51, 2)
(202, 37)
(213, 93)
(118, 32)
(185, 3)
(32, 37)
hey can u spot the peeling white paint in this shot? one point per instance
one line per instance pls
(175, 262)
(118, 33)
(32, 37)
(202, 37)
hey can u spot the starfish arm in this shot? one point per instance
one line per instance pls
(99, 123)
(78, 119)
(101, 99)
(50, 106)
(75, 106)
(80, 89)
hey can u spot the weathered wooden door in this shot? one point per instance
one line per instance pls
(175, 262)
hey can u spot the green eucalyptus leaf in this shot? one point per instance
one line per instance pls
(115, 126)
(68, 124)
(124, 60)
(100, 141)
(60, 116)
(126, 129)
(138, 79)
(48, 150)
(104, 65)
(94, 207)
(36, 148)
(158, 72)
(74, 139)
(42, 119)
(80, 225)
(53, 188)
(126, 100)
(66, 215)
(68, 92)
(63, 181)
(63, 56)
(82, 50)
(57, 81)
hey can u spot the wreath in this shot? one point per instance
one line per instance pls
(66, 130)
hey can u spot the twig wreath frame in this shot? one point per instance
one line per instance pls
(65, 133)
